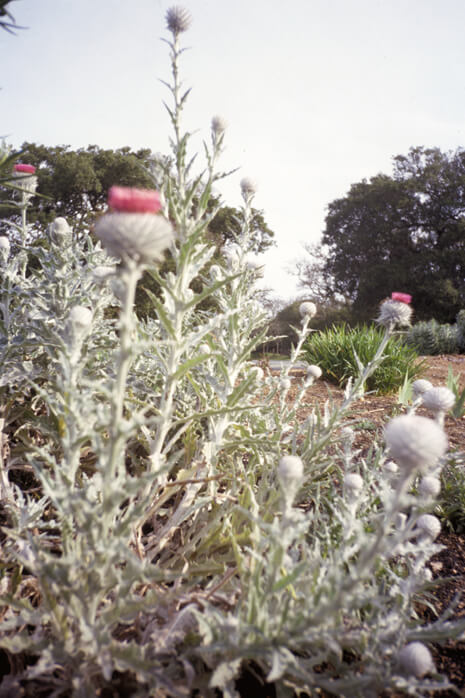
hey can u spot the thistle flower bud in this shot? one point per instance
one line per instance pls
(132, 200)
(415, 659)
(415, 442)
(80, 318)
(285, 383)
(290, 469)
(314, 371)
(307, 309)
(59, 232)
(420, 386)
(218, 125)
(248, 187)
(391, 467)
(429, 486)
(178, 19)
(204, 348)
(24, 176)
(438, 399)
(353, 484)
(143, 237)
(23, 168)
(392, 313)
(428, 527)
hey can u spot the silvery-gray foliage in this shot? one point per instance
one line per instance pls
(163, 541)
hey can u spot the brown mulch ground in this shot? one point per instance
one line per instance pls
(368, 417)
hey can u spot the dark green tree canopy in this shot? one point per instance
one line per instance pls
(404, 232)
(74, 184)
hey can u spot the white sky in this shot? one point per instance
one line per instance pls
(317, 93)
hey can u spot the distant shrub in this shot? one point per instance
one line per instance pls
(430, 338)
(337, 349)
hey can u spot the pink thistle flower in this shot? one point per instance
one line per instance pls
(22, 167)
(132, 200)
(401, 297)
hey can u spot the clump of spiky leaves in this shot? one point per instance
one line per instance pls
(460, 324)
(161, 541)
(430, 338)
(341, 351)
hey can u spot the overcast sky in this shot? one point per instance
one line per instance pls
(317, 94)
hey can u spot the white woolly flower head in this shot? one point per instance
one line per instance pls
(415, 660)
(307, 309)
(59, 231)
(438, 399)
(178, 19)
(218, 125)
(353, 484)
(314, 371)
(392, 313)
(428, 527)
(429, 486)
(420, 386)
(290, 469)
(285, 383)
(415, 442)
(143, 237)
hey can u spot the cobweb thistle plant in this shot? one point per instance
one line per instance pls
(172, 549)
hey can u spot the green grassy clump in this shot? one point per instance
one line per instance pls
(336, 350)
